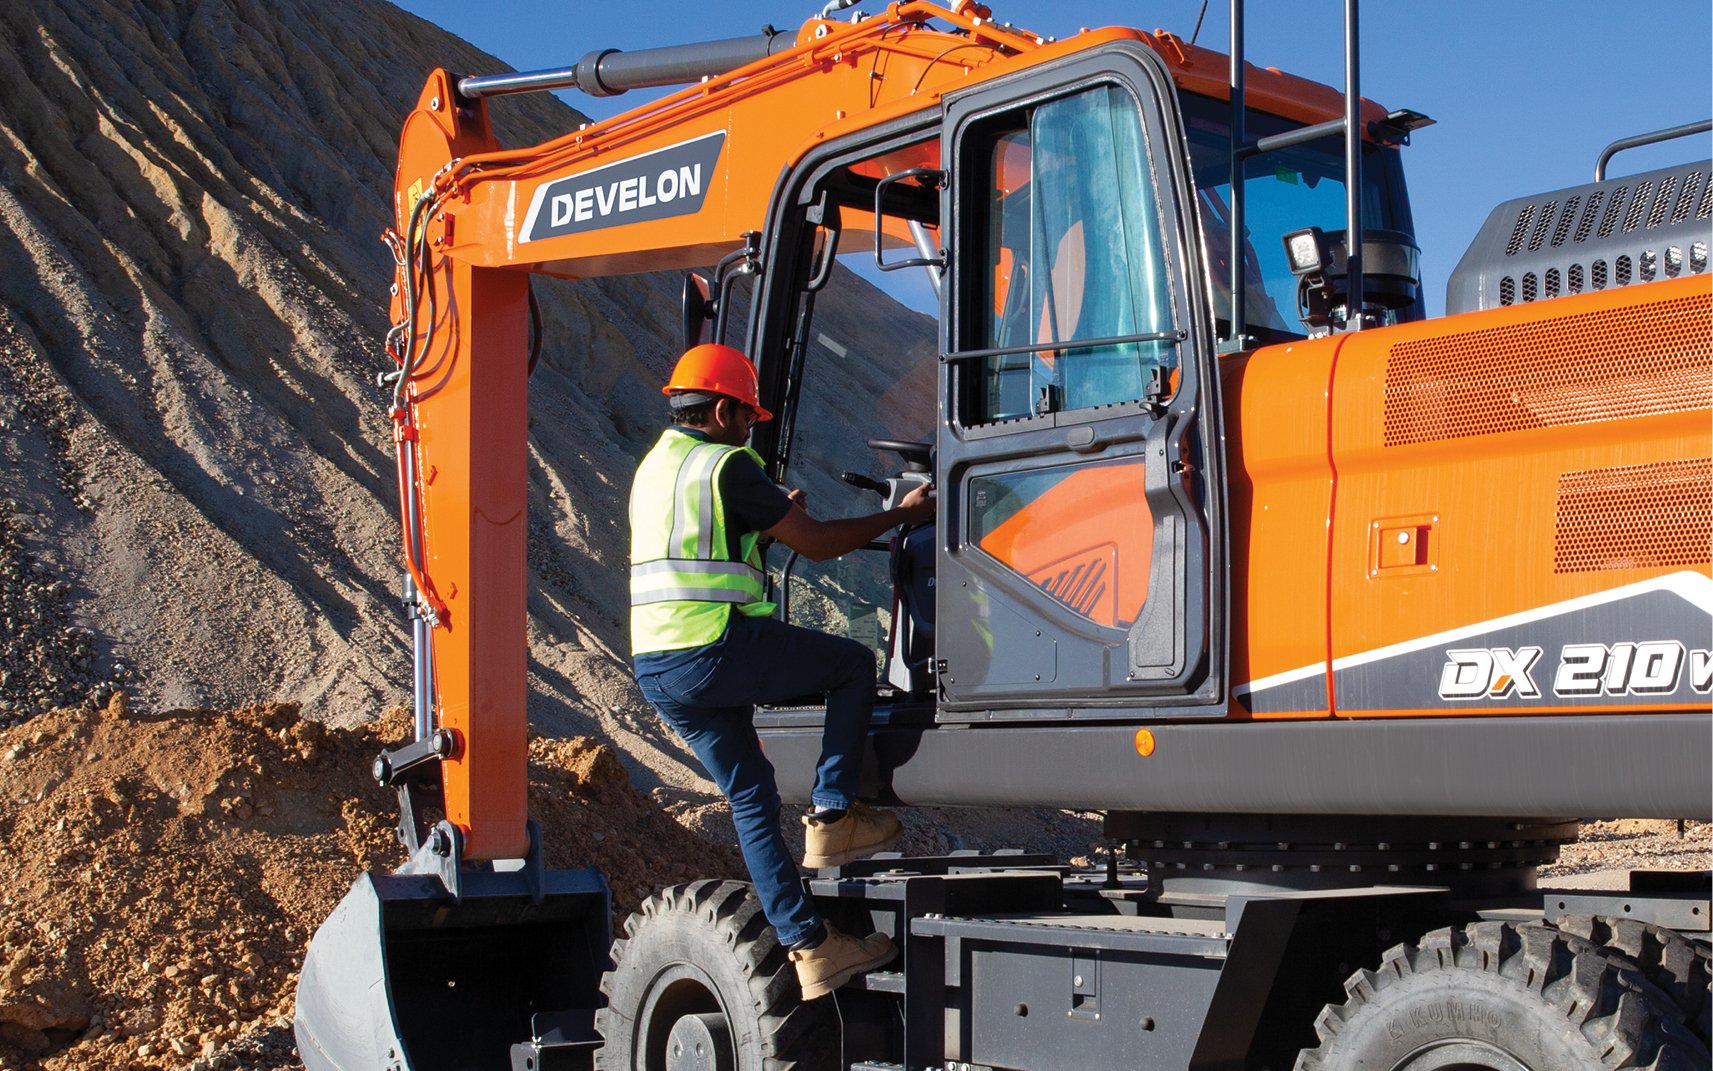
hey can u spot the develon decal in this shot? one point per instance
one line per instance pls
(656, 185)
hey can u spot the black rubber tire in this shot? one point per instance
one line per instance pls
(705, 948)
(1502, 997)
(1681, 968)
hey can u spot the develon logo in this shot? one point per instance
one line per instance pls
(656, 185)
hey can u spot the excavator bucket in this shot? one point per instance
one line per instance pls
(446, 969)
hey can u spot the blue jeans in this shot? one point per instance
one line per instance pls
(709, 699)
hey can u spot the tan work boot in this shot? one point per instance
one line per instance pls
(838, 959)
(861, 831)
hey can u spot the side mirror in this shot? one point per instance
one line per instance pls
(699, 309)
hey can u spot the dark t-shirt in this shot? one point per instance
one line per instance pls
(753, 504)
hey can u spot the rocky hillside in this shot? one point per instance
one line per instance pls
(197, 488)
(197, 500)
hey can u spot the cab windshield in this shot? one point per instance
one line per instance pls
(1283, 191)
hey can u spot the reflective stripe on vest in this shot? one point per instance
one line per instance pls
(669, 580)
(683, 581)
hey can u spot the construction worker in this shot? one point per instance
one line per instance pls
(707, 648)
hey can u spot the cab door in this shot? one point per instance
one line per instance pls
(1081, 562)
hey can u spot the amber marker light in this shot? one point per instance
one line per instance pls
(1144, 742)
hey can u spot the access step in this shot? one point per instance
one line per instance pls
(880, 981)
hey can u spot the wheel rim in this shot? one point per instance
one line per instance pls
(1462, 1054)
(683, 1006)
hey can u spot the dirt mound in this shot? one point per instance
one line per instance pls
(161, 874)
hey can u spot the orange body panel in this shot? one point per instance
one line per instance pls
(1453, 441)
(1277, 412)
(1486, 489)
(1401, 483)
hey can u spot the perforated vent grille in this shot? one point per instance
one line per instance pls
(1635, 517)
(1589, 214)
(1578, 370)
(1613, 210)
(1575, 228)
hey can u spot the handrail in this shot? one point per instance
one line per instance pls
(1173, 336)
(1638, 140)
(1350, 125)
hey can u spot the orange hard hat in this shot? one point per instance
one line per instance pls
(715, 369)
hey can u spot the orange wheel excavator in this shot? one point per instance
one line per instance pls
(1342, 616)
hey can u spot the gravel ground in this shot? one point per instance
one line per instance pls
(1607, 851)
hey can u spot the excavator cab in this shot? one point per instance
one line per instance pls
(1079, 560)
(1062, 397)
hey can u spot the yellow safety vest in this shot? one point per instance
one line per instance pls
(682, 578)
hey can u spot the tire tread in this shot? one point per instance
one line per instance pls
(1626, 1021)
(1681, 968)
(729, 910)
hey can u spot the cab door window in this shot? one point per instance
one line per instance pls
(1074, 260)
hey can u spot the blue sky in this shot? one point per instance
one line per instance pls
(1526, 92)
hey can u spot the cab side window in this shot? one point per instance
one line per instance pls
(1073, 259)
